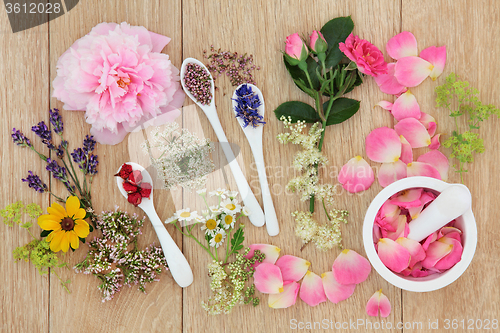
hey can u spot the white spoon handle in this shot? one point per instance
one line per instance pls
(177, 263)
(271, 219)
(257, 215)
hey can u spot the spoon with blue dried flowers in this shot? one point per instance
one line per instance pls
(198, 84)
(177, 263)
(248, 106)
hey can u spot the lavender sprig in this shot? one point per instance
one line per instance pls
(20, 139)
(89, 144)
(59, 173)
(35, 183)
(56, 121)
(248, 103)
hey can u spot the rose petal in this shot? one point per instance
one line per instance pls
(383, 145)
(400, 227)
(435, 144)
(286, 298)
(389, 212)
(417, 271)
(417, 253)
(356, 175)
(311, 290)
(350, 268)
(407, 198)
(335, 291)
(292, 268)
(388, 83)
(438, 160)
(436, 251)
(385, 105)
(393, 255)
(422, 169)
(378, 302)
(437, 57)
(390, 172)
(429, 240)
(268, 279)
(146, 190)
(406, 106)
(402, 45)
(271, 252)
(414, 132)
(453, 257)
(406, 151)
(134, 198)
(429, 123)
(411, 71)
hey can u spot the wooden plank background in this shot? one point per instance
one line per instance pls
(31, 303)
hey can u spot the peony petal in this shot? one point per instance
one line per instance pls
(402, 45)
(435, 252)
(356, 175)
(292, 268)
(437, 57)
(383, 145)
(286, 298)
(417, 253)
(435, 144)
(406, 106)
(106, 137)
(335, 291)
(267, 279)
(271, 252)
(438, 160)
(350, 268)
(411, 71)
(422, 169)
(311, 290)
(406, 151)
(158, 41)
(414, 132)
(393, 255)
(378, 302)
(385, 105)
(388, 83)
(390, 172)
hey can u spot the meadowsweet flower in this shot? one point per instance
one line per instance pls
(35, 183)
(228, 220)
(306, 228)
(231, 206)
(247, 106)
(218, 238)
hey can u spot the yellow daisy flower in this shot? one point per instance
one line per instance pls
(67, 225)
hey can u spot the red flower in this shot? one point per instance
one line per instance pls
(146, 190)
(125, 171)
(129, 187)
(135, 177)
(134, 198)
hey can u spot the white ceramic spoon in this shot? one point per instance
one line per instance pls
(256, 216)
(254, 137)
(177, 263)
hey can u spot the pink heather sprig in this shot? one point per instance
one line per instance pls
(198, 83)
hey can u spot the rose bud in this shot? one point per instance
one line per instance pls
(125, 171)
(295, 50)
(317, 42)
(145, 190)
(134, 198)
(129, 187)
(135, 177)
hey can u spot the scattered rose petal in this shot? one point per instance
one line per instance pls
(388, 83)
(422, 169)
(402, 45)
(393, 255)
(436, 251)
(146, 190)
(438, 160)
(429, 123)
(335, 291)
(419, 271)
(378, 302)
(268, 279)
(435, 144)
(406, 106)
(311, 290)
(414, 132)
(390, 172)
(406, 151)
(385, 105)
(389, 212)
(411, 71)
(417, 253)
(135, 177)
(350, 268)
(356, 175)
(431, 238)
(437, 57)
(383, 145)
(292, 268)
(286, 298)
(272, 253)
(129, 187)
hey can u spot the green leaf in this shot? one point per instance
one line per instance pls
(297, 74)
(45, 233)
(297, 111)
(336, 31)
(91, 228)
(342, 109)
(82, 240)
(26, 225)
(237, 240)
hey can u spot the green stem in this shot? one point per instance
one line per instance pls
(77, 182)
(42, 156)
(227, 245)
(55, 196)
(326, 212)
(63, 284)
(216, 255)
(197, 241)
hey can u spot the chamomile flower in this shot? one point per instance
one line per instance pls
(171, 219)
(215, 210)
(199, 219)
(220, 192)
(232, 194)
(245, 211)
(228, 220)
(231, 206)
(209, 225)
(218, 238)
(202, 192)
(185, 214)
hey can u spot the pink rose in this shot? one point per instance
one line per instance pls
(295, 49)
(317, 42)
(117, 75)
(367, 56)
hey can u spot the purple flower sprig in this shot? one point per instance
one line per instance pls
(59, 173)
(198, 82)
(56, 121)
(247, 106)
(35, 183)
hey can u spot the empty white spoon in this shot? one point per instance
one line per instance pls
(177, 263)
(254, 137)
(257, 215)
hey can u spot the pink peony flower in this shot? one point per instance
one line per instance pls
(117, 75)
(367, 56)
